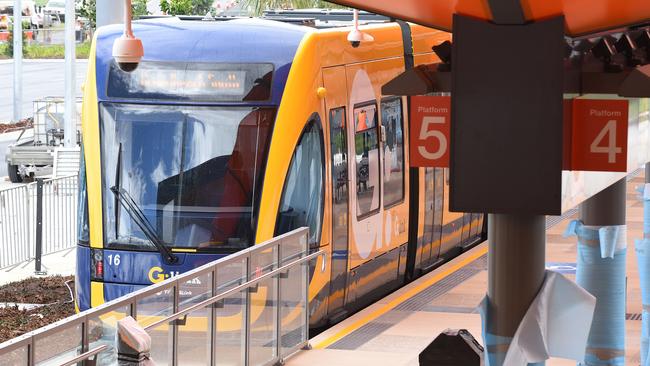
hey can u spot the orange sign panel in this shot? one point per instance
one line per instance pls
(430, 121)
(599, 135)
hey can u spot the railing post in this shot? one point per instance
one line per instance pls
(278, 310)
(247, 306)
(39, 227)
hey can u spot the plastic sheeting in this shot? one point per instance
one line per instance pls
(643, 259)
(642, 248)
(549, 328)
(133, 344)
(601, 271)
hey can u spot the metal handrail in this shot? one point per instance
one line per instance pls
(284, 253)
(85, 356)
(227, 293)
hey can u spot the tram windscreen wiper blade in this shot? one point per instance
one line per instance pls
(140, 219)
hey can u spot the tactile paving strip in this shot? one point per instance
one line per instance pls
(420, 302)
(361, 336)
(424, 298)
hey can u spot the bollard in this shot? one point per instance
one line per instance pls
(39, 227)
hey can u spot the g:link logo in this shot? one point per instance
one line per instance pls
(157, 274)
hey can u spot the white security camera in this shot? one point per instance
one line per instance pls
(128, 50)
(127, 53)
(355, 37)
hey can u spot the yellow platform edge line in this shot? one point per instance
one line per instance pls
(403, 297)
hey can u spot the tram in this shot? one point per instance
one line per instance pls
(231, 132)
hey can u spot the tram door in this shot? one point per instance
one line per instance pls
(334, 81)
(433, 204)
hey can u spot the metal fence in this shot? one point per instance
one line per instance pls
(37, 219)
(55, 36)
(250, 308)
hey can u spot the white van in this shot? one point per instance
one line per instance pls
(30, 12)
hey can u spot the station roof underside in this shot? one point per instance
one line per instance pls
(582, 17)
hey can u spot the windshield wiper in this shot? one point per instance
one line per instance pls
(140, 219)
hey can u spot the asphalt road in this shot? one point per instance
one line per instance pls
(40, 79)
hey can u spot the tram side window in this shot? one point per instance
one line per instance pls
(366, 158)
(391, 120)
(83, 232)
(303, 193)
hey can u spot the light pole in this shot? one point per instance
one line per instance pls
(18, 60)
(70, 125)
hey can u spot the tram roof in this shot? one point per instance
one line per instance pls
(240, 40)
(211, 41)
(582, 17)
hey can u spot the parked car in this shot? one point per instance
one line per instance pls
(55, 8)
(31, 13)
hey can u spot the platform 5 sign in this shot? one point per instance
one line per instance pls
(595, 133)
(598, 139)
(430, 118)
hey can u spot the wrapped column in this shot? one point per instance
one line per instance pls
(602, 252)
(643, 261)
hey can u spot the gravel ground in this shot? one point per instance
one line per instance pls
(46, 290)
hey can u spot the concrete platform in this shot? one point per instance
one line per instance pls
(60, 263)
(395, 329)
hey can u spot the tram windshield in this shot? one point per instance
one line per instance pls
(194, 172)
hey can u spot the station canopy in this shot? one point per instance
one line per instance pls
(582, 17)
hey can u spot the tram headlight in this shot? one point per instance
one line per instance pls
(97, 264)
(128, 52)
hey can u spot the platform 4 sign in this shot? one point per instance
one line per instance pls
(595, 133)
(598, 135)
(430, 126)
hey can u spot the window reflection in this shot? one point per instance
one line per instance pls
(339, 150)
(303, 193)
(391, 119)
(367, 158)
(194, 172)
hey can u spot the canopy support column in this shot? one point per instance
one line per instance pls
(601, 266)
(516, 264)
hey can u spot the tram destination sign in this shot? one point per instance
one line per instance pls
(200, 82)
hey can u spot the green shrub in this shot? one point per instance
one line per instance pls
(9, 50)
(36, 51)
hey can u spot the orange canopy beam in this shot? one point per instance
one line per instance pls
(582, 17)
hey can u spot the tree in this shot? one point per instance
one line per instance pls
(176, 7)
(88, 10)
(258, 6)
(201, 7)
(139, 8)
